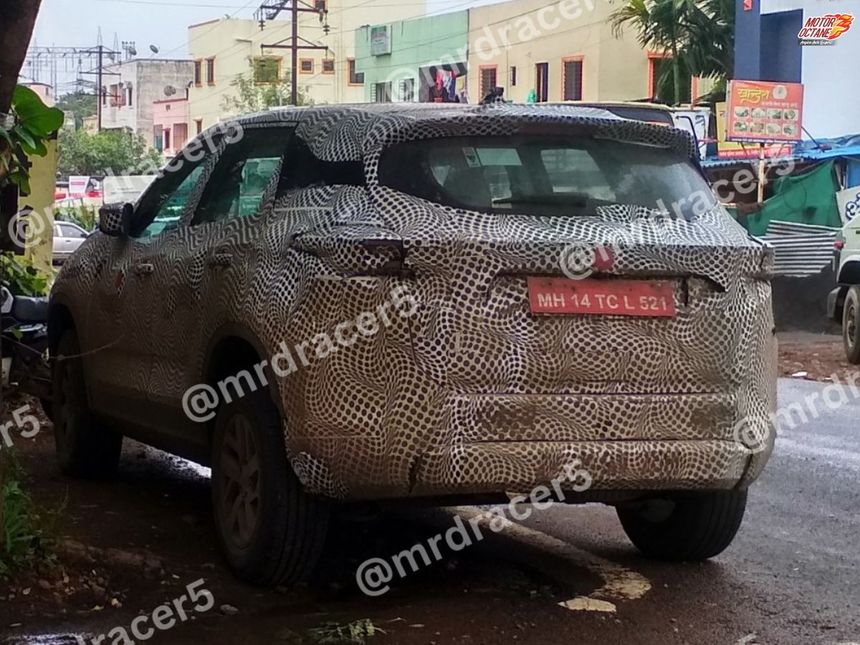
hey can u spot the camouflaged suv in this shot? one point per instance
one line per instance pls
(406, 301)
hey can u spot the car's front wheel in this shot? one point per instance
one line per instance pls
(851, 324)
(684, 526)
(271, 532)
(85, 446)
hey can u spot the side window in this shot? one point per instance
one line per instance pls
(242, 174)
(71, 231)
(303, 169)
(162, 206)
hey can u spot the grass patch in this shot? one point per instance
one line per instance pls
(355, 633)
(27, 533)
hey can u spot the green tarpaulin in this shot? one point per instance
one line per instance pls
(808, 198)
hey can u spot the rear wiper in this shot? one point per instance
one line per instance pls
(577, 202)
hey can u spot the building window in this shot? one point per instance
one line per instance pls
(542, 82)
(180, 132)
(198, 73)
(117, 95)
(198, 126)
(328, 66)
(355, 78)
(210, 71)
(267, 69)
(167, 138)
(488, 80)
(407, 90)
(661, 85)
(129, 92)
(306, 66)
(572, 78)
(380, 92)
(158, 138)
(513, 75)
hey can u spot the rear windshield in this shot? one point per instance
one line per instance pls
(544, 175)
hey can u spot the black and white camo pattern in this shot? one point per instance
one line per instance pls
(472, 393)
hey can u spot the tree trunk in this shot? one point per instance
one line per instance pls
(676, 64)
(16, 27)
(676, 73)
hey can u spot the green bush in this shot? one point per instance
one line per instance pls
(80, 214)
(24, 279)
(24, 531)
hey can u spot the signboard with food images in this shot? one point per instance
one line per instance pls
(739, 150)
(761, 111)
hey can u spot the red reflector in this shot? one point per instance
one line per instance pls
(839, 245)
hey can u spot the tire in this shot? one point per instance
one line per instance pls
(685, 526)
(851, 325)
(85, 446)
(47, 408)
(278, 540)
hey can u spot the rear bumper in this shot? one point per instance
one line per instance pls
(489, 444)
(611, 466)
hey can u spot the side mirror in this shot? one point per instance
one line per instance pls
(115, 219)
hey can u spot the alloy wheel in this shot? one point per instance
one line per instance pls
(239, 482)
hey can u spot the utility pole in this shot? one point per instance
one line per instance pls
(73, 59)
(99, 90)
(270, 11)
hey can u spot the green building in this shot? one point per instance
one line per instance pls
(422, 60)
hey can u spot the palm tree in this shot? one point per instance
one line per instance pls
(698, 35)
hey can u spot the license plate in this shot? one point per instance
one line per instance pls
(601, 297)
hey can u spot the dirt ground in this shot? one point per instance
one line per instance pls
(815, 357)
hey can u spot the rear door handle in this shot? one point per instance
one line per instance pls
(220, 259)
(144, 268)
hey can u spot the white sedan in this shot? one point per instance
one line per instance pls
(67, 238)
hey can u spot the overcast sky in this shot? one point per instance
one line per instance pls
(162, 23)
(149, 22)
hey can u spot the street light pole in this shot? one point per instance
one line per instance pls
(294, 54)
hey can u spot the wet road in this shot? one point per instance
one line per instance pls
(791, 576)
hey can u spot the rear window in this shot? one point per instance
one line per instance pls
(537, 175)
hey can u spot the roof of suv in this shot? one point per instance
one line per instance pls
(350, 131)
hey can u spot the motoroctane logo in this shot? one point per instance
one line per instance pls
(824, 30)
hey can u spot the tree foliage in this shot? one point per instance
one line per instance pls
(110, 152)
(698, 35)
(80, 104)
(249, 95)
(32, 123)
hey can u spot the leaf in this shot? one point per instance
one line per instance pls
(31, 112)
(28, 143)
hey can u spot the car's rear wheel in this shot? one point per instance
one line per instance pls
(851, 324)
(271, 532)
(684, 526)
(85, 446)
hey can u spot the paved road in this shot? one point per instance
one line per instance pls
(792, 575)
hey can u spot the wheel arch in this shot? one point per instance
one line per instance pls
(849, 275)
(60, 320)
(233, 348)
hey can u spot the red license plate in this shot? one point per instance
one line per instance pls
(601, 297)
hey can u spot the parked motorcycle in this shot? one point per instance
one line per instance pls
(24, 345)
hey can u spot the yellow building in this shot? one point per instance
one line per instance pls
(559, 50)
(225, 49)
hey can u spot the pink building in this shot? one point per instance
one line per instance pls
(170, 126)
